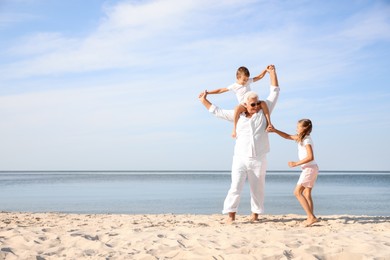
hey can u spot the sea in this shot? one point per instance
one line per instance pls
(187, 192)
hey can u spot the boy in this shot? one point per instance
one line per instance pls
(240, 87)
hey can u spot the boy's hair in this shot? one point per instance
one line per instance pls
(250, 94)
(307, 127)
(242, 71)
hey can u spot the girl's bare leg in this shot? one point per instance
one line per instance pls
(307, 195)
(311, 219)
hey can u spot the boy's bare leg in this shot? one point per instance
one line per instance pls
(237, 111)
(265, 109)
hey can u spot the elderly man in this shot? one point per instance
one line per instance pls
(252, 145)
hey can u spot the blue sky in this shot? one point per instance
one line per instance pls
(113, 85)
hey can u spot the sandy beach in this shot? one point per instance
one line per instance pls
(168, 236)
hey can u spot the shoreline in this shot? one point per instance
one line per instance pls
(189, 236)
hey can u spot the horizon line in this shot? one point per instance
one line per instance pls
(358, 171)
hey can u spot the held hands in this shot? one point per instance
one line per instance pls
(270, 128)
(271, 68)
(203, 95)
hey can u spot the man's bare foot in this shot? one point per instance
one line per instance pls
(311, 221)
(229, 221)
(254, 217)
(231, 218)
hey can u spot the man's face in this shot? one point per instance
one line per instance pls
(252, 105)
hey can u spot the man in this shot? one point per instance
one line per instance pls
(252, 145)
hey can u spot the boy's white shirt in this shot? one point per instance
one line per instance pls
(240, 90)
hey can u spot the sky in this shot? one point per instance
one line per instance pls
(114, 85)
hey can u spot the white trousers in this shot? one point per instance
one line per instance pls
(254, 169)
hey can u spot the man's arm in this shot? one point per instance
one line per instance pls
(274, 91)
(203, 99)
(274, 78)
(220, 113)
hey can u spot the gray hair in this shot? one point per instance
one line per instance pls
(249, 95)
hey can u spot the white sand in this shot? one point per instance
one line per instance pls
(106, 236)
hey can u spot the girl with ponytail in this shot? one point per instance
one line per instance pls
(308, 165)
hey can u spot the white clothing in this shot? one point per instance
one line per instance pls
(250, 151)
(252, 139)
(308, 176)
(302, 153)
(240, 90)
(254, 169)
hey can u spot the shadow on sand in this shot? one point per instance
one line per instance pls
(345, 219)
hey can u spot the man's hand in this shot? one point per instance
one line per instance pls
(203, 95)
(203, 98)
(270, 128)
(270, 68)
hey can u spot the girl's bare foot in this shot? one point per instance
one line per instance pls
(311, 221)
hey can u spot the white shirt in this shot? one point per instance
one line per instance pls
(240, 90)
(252, 139)
(302, 152)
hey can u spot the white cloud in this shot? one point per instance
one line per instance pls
(43, 43)
(149, 16)
(129, 85)
(90, 110)
(131, 35)
(368, 26)
(9, 19)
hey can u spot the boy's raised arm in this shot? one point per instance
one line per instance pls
(260, 76)
(217, 91)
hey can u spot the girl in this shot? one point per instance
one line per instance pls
(308, 165)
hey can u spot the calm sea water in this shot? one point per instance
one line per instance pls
(355, 193)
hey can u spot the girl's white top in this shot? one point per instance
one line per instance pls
(302, 153)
